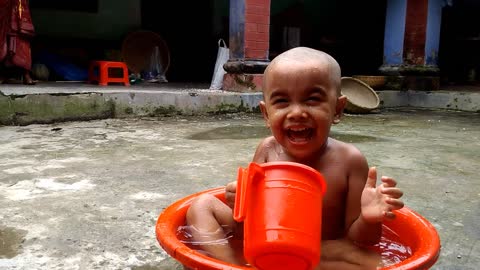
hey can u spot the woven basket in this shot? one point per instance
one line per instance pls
(376, 82)
(361, 98)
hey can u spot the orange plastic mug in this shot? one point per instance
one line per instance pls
(281, 206)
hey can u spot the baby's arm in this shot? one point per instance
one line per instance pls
(359, 229)
(377, 203)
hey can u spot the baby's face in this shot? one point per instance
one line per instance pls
(300, 105)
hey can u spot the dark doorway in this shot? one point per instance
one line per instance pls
(351, 31)
(187, 29)
(459, 57)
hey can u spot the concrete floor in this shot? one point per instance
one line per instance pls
(86, 195)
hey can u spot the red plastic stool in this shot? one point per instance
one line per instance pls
(99, 72)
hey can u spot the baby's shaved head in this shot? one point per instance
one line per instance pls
(310, 56)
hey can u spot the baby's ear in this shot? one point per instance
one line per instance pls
(263, 108)
(341, 102)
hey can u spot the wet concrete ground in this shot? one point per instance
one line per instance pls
(86, 195)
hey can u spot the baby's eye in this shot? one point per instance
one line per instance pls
(279, 101)
(314, 99)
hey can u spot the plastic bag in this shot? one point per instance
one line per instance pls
(218, 71)
(155, 72)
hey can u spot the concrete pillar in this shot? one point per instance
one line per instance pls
(249, 43)
(411, 42)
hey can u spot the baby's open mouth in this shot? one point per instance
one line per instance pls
(299, 135)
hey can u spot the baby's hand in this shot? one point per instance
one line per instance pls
(230, 190)
(379, 202)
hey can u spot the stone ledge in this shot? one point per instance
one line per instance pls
(48, 108)
(27, 108)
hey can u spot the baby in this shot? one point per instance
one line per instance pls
(302, 100)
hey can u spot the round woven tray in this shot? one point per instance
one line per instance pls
(137, 49)
(361, 98)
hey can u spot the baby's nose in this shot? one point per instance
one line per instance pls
(297, 112)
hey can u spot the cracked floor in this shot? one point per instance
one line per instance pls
(86, 195)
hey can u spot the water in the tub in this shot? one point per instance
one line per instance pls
(195, 239)
(390, 248)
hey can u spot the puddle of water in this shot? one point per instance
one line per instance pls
(237, 132)
(240, 132)
(354, 138)
(11, 242)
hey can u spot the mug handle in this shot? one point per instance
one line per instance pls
(245, 178)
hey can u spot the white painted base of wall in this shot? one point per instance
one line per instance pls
(453, 100)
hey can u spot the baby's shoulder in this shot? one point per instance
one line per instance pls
(346, 151)
(264, 148)
(268, 142)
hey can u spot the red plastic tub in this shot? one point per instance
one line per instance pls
(414, 231)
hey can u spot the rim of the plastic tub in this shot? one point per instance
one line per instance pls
(427, 238)
(424, 256)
